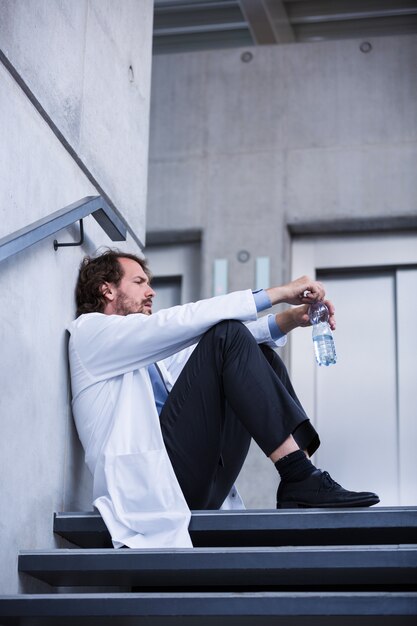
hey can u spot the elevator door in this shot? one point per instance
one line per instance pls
(364, 406)
(356, 400)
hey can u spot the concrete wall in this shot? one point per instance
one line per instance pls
(88, 65)
(302, 133)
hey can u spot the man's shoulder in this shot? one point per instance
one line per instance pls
(87, 318)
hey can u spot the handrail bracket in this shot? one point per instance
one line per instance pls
(75, 243)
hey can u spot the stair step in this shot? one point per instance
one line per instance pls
(273, 568)
(196, 609)
(306, 527)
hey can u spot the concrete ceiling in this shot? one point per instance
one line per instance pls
(187, 25)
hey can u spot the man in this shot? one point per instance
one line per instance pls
(166, 404)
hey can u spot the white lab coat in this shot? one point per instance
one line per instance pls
(134, 487)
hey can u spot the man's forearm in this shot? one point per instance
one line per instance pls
(293, 318)
(303, 290)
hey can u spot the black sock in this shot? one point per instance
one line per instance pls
(294, 467)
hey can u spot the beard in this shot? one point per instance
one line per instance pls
(125, 305)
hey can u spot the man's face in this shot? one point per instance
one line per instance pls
(134, 294)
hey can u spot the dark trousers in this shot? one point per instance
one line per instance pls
(230, 390)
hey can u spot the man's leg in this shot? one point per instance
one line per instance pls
(305, 434)
(301, 485)
(228, 392)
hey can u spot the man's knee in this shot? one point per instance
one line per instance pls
(229, 333)
(227, 327)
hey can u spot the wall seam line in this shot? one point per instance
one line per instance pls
(62, 139)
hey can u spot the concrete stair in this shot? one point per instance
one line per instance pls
(338, 567)
(212, 609)
(300, 527)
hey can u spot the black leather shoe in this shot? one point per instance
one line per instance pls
(319, 490)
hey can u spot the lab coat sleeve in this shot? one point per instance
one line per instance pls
(110, 345)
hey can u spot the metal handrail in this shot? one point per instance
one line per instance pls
(110, 221)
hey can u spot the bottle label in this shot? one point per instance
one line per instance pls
(324, 349)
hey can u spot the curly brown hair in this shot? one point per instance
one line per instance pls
(94, 272)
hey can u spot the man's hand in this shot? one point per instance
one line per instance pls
(298, 317)
(303, 290)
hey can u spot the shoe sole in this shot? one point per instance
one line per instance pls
(328, 505)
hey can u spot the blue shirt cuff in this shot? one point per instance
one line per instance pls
(274, 329)
(262, 300)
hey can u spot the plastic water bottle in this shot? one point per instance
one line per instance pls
(323, 341)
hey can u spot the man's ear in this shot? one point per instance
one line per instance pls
(108, 291)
